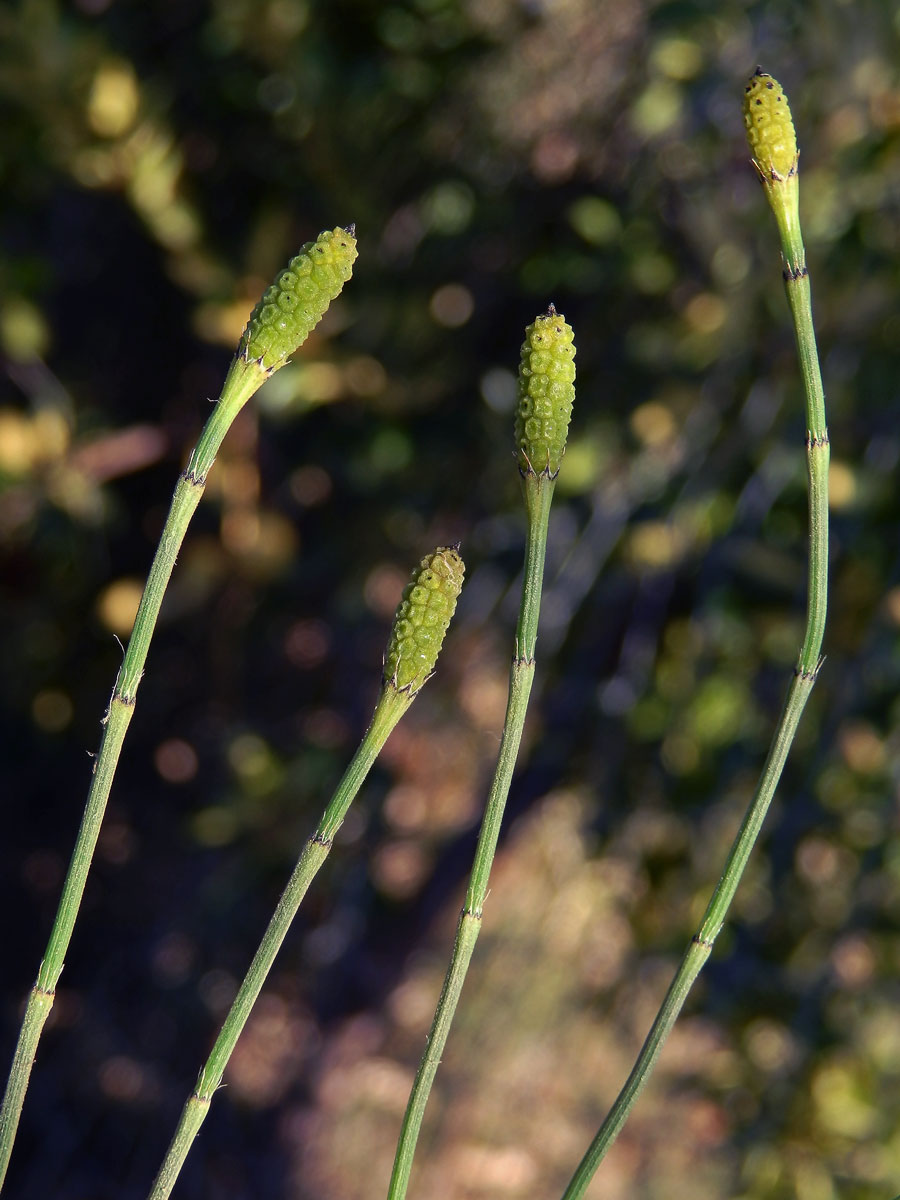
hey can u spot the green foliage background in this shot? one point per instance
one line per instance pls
(158, 163)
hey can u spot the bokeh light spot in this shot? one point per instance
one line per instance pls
(730, 264)
(310, 485)
(655, 544)
(555, 157)
(706, 313)
(842, 487)
(400, 868)
(214, 826)
(653, 423)
(118, 604)
(651, 272)
(452, 305)
(770, 1046)
(113, 100)
(448, 208)
(318, 382)
(326, 728)
(365, 376)
(276, 93)
(678, 57)
(863, 750)
(17, 446)
(117, 842)
(853, 960)
(176, 760)
(583, 466)
(680, 754)
(390, 450)
(596, 220)
(24, 334)
(173, 958)
(892, 605)
(383, 588)
(52, 710)
(306, 644)
(250, 757)
(498, 389)
(656, 109)
(121, 1078)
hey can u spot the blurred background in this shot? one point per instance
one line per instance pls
(159, 162)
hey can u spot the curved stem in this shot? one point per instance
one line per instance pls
(391, 707)
(243, 379)
(796, 279)
(538, 496)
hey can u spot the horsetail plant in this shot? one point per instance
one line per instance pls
(279, 324)
(546, 390)
(420, 625)
(773, 143)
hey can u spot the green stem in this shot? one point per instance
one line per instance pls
(538, 495)
(242, 381)
(796, 280)
(390, 708)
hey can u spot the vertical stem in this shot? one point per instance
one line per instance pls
(391, 707)
(242, 381)
(538, 495)
(796, 279)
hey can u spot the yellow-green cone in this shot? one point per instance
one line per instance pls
(295, 303)
(546, 394)
(427, 604)
(770, 127)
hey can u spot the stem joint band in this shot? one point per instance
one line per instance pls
(532, 473)
(805, 675)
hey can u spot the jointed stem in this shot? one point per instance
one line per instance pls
(538, 496)
(796, 280)
(243, 379)
(391, 707)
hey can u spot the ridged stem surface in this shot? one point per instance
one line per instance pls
(538, 495)
(242, 381)
(796, 280)
(391, 707)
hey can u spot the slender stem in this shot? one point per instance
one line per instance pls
(242, 381)
(391, 707)
(538, 496)
(796, 280)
